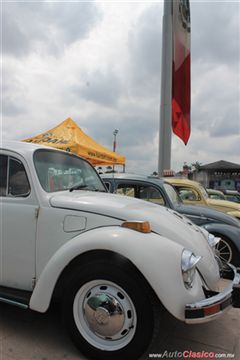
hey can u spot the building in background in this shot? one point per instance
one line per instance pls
(218, 175)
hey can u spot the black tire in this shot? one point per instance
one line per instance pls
(146, 315)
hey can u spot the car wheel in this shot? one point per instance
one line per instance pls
(227, 252)
(110, 313)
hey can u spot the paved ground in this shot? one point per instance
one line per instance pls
(31, 336)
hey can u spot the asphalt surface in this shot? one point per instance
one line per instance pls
(26, 335)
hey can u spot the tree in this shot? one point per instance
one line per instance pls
(196, 166)
(109, 170)
(100, 170)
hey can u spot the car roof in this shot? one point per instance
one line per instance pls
(128, 176)
(214, 191)
(231, 192)
(28, 148)
(21, 147)
(174, 180)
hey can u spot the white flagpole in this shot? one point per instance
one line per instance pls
(165, 128)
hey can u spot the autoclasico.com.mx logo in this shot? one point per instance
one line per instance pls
(189, 354)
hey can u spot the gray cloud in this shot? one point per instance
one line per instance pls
(137, 130)
(215, 31)
(31, 26)
(227, 125)
(12, 93)
(145, 52)
(215, 101)
(10, 108)
(108, 94)
(217, 119)
(103, 88)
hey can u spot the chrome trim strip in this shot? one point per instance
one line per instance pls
(12, 302)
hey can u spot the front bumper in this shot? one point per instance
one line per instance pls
(215, 303)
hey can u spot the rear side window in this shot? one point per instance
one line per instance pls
(3, 175)
(18, 182)
(13, 177)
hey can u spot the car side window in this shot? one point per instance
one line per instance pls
(18, 184)
(188, 194)
(150, 193)
(126, 189)
(3, 175)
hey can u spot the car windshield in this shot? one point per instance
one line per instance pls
(234, 198)
(172, 194)
(59, 171)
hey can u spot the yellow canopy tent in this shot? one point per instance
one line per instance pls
(69, 137)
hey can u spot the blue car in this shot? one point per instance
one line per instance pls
(161, 192)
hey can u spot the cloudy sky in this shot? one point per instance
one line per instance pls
(99, 63)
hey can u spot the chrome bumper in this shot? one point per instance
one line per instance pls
(215, 303)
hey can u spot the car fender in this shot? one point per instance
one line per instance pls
(156, 257)
(228, 231)
(235, 213)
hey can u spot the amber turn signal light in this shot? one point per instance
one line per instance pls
(211, 310)
(141, 226)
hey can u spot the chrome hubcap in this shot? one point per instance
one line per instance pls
(104, 315)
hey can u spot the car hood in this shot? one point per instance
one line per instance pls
(126, 208)
(206, 212)
(164, 221)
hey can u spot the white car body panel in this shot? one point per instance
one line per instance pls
(21, 212)
(183, 232)
(15, 237)
(51, 234)
(143, 250)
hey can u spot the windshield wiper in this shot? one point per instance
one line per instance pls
(77, 187)
(81, 186)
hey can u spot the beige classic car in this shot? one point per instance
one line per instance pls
(194, 193)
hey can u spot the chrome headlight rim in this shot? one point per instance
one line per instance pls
(213, 241)
(188, 267)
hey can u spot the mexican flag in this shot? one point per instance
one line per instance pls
(181, 78)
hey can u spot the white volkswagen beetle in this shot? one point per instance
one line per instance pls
(118, 265)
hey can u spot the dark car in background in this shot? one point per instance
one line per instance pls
(229, 195)
(232, 195)
(160, 192)
(216, 194)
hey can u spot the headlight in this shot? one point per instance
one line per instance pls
(188, 264)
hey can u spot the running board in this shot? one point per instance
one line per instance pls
(15, 303)
(16, 297)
